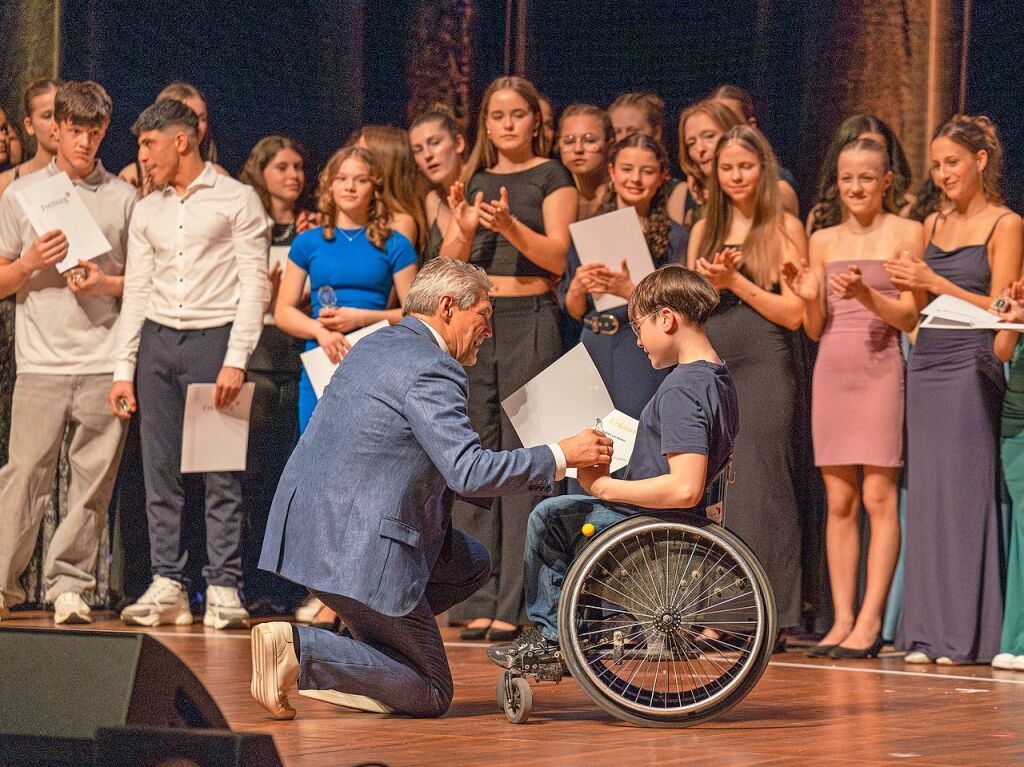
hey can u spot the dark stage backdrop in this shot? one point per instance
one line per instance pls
(316, 69)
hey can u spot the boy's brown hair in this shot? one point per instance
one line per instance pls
(82, 103)
(677, 288)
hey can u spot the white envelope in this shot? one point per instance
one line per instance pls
(54, 203)
(609, 238)
(565, 398)
(212, 439)
(318, 365)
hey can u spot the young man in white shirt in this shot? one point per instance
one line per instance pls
(196, 288)
(64, 343)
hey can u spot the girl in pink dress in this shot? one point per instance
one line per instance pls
(857, 391)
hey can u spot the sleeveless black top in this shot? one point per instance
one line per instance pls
(526, 192)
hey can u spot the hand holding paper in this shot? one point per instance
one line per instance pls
(612, 239)
(588, 448)
(48, 249)
(565, 398)
(320, 367)
(54, 203)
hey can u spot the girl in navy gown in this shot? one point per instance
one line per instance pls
(953, 593)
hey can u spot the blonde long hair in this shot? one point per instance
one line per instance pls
(402, 186)
(378, 226)
(484, 155)
(762, 246)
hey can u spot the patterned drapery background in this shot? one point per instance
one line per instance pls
(317, 69)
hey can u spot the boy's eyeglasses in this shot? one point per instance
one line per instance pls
(635, 324)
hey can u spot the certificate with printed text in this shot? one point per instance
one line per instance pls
(215, 439)
(54, 203)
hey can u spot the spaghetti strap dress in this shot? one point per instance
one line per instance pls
(953, 590)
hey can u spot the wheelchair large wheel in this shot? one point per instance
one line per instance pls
(666, 623)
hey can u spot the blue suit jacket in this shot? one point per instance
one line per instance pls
(362, 507)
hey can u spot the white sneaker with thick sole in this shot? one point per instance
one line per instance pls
(224, 609)
(275, 667)
(164, 603)
(347, 700)
(1018, 663)
(69, 607)
(308, 610)
(1004, 660)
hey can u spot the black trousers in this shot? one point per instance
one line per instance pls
(169, 360)
(527, 338)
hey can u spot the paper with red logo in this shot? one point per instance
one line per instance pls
(54, 203)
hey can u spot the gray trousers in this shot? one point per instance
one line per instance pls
(526, 340)
(399, 661)
(44, 407)
(169, 360)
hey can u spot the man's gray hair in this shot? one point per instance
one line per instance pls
(465, 283)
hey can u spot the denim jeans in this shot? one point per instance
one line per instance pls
(552, 536)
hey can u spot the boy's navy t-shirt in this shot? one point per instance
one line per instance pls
(693, 411)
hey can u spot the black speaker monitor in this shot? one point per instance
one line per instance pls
(68, 684)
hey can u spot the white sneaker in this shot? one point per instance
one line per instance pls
(275, 668)
(308, 610)
(69, 607)
(1004, 660)
(1018, 663)
(916, 657)
(165, 602)
(224, 608)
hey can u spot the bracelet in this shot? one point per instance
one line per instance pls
(515, 220)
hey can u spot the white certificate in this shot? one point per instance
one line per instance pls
(609, 238)
(318, 365)
(950, 313)
(212, 439)
(54, 203)
(565, 398)
(278, 257)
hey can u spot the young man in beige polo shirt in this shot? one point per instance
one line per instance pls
(64, 345)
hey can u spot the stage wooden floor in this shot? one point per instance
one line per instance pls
(804, 711)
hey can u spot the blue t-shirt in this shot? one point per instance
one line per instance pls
(693, 411)
(360, 273)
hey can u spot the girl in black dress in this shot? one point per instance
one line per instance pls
(741, 245)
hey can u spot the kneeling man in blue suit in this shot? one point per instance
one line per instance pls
(362, 513)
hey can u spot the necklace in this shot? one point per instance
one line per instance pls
(352, 237)
(286, 235)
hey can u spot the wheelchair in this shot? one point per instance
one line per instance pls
(666, 619)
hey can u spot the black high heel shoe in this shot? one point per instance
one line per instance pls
(820, 650)
(850, 653)
(503, 635)
(475, 634)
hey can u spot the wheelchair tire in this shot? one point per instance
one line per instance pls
(518, 708)
(635, 609)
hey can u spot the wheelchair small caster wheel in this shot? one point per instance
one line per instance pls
(515, 698)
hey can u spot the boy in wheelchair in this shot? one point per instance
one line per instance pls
(684, 440)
